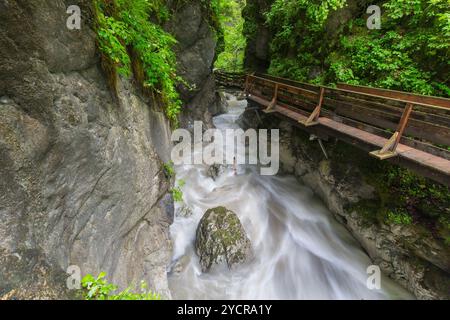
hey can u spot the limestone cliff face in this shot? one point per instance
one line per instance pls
(81, 178)
(196, 51)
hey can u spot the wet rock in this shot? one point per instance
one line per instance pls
(180, 265)
(221, 238)
(228, 96)
(215, 171)
(195, 52)
(184, 211)
(222, 105)
(4, 100)
(251, 118)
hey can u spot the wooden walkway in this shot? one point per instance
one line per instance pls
(407, 129)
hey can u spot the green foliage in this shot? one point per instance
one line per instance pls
(402, 196)
(181, 183)
(99, 289)
(414, 198)
(410, 52)
(410, 186)
(177, 194)
(169, 171)
(447, 241)
(398, 216)
(129, 29)
(176, 191)
(298, 27)
(232, 24)
(251, 12)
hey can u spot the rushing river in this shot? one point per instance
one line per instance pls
(300, 251)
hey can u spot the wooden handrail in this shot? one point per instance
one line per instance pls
(283, 85)
(397, 96)
(427, 101)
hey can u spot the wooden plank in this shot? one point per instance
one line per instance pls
(296, 101)
(290, 82)
(429, 101)
(291, 114)
(287, 87)
(301, 92)
(259, 100)
(386, 102)
(442, 118)
(285, 92)
(431, 132)
(402, 125)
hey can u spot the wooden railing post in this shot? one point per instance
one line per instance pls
(314, 117)
(274, 100)
(246, 84)
(390, 148)
(244, 94)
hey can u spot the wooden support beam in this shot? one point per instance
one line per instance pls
(312, 120)
(244, 93)
(246, 84)
(389, 150)
(273, 103)
(403, 123)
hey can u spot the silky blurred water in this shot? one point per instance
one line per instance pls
(300, 251)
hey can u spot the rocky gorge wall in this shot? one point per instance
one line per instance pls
(196, 51)
(82, 180)
(408, 254)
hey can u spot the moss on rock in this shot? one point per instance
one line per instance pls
(221, 238)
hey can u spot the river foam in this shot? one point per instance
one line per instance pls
(300, 250)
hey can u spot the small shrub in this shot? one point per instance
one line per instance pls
(176, 191)
(169, 171)
(398, 217)
(99, 289)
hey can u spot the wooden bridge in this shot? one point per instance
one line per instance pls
(407, 129)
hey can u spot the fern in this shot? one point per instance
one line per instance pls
(126, 25)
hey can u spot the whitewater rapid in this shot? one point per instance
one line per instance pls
(300, 250)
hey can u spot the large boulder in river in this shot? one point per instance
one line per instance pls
(221, 238)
